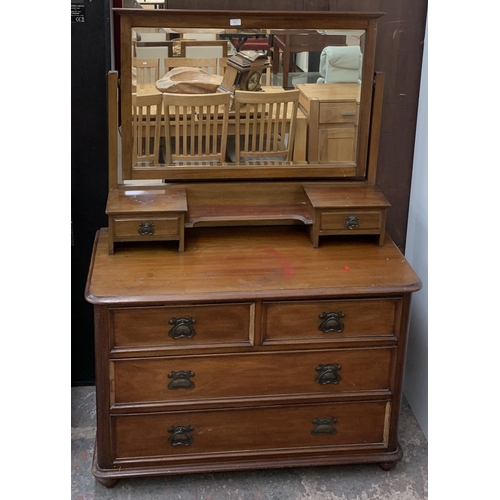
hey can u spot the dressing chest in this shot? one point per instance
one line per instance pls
(227, 336)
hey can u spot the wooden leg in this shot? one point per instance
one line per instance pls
(314, 235)
(387, 465)
(107, 482)
(381, 239)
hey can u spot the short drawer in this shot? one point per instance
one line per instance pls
(350, 220)
(344, 112)
(328, 320)
(183, 326)
(147, 228)
(278, 430)
(181, 378)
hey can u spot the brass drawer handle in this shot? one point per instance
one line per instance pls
(348, 113)
(351, 222)
(181, 380)
(146, 229)
(182, 328)
(331, 322)
(324, 425)
(328, 374)
(180, 435)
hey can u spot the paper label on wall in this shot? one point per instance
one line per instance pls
(77, 13)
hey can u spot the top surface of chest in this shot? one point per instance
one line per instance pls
(246, 263)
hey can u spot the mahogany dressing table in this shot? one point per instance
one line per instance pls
(276, 336)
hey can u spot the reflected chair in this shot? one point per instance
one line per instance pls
(340, 65)
(197, 127)
(147, 70)
(146, 125)
(203, 48)
(265, 126)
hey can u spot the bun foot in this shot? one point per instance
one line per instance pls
(387, 465)
(108, 483)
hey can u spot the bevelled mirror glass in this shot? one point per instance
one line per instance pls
(241, 95)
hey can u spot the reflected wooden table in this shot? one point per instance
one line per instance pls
(299, 149)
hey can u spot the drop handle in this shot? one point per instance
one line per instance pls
(181, 380)
(331, 322)
(348, 113)
(146, 229)
(324, 425)
(328, 374)
(180, 435)
(182, 328)
(351, 222)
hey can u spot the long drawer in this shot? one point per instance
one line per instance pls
(183, 326)
(182, 378)
(169, 436)
(328, 320)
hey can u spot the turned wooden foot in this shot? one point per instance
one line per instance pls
(387, 465)
(108, 483)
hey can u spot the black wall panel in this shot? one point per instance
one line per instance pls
(90, 62)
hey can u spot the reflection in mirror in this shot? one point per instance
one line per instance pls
(187, 123)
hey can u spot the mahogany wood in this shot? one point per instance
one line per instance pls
(346, 210)
(298, 401)
(112, 86)
(279, 354)
(270, 374)
(146, 215)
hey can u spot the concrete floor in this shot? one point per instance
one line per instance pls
(407, 481)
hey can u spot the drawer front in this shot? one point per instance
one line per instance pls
(329, 321)
(173, 379)
(168, 436)
(342, 112)
(183, 326)
(147, 228)
(350, 221)
(337, 144)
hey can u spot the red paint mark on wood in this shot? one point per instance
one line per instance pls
(287, 269)
(346, 269)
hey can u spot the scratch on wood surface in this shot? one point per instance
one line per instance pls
(400, 30)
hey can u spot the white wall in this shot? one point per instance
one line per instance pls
(415, 381)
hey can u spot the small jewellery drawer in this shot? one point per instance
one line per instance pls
(147, 228)
(350, 220)
(183, 326)
(167, 436)
(328, 320)
(345, 112)
(182, 378)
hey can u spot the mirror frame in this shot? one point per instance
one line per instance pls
(328, 20)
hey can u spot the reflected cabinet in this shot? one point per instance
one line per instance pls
(250, 310)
